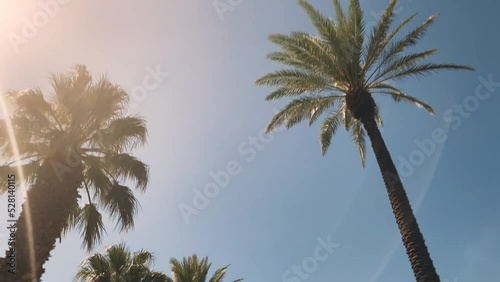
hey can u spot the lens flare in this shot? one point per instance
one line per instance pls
(17, 158)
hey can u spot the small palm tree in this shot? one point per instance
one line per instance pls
(118, 264)
(75, 142)
(193, 270)
(339, 72)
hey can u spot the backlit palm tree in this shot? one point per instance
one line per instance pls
(118, 264)
(75, 142)
(337, 73)
(192, 269)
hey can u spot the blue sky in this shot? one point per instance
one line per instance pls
(284, 195)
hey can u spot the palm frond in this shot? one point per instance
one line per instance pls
(219, 274)
(30, 171)
(400, 97)
(70, 90)
(306, 50)
(378, 119)
(358, 136)
(339, 12)
(127, 167)
(94, 268)
(300, 109)
(294, 81)
(179, 270)
(32, 104)
(324, 25)
(72, 221)
(30, 137)
(121, 205)
(96, 176)
(348, 119)
(357, 27)
(107, 100)
(337, 37)
(119, 257)
(90, 224)
(378, 35)
(395, 48)
(121, 134)
(328, 129)
(143, 257)
(402, 62)
(291, 92)
(155, 276)
(348, 44)
(319, 109)
(421, 70)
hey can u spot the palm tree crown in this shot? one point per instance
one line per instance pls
(118, 264)
(84, 121)
(192, 269)
(338, 70)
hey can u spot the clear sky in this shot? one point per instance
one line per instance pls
(283, 196)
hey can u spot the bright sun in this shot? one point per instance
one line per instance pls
(4, 8)
(8, 12)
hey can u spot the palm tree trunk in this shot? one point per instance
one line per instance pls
(413, 240)
(49, 202)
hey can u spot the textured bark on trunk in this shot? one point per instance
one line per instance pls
(413, 240)
(51, 199)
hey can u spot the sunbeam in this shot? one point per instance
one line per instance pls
(17, 158)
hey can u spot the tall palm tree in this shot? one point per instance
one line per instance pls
(339, 71)
(73, 142)
(118, 264)
(192, 269)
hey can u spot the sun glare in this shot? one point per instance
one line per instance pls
(15, 150)
(5, 6)
(9, 15)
